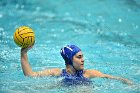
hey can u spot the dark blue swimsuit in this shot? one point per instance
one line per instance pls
(75, 79)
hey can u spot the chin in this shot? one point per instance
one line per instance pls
(82, 68)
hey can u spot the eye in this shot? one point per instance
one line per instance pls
(79, 57)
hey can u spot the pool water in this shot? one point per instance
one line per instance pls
(108, 32)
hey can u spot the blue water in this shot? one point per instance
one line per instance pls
(108, 32)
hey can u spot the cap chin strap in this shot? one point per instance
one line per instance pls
(77, 71)
(74, 67)
(71, 63)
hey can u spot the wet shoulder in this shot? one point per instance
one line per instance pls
(90, 73)
(56, 71)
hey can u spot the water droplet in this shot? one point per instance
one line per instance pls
(120, 20)
(17, 5)
(67, 14)
(22, 6)
(1, 29)
(88, 14)
(52, 29)
(37, 8)
(1, 15)
(136, 26)
(62, 30)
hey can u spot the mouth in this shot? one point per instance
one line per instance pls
(82, 64)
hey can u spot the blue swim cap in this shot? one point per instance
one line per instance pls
(67, 52)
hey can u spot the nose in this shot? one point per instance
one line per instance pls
(82, 60)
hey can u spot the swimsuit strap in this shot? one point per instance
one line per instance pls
(75, 79)
(77, 74)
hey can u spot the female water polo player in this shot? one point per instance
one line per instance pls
(74, 71)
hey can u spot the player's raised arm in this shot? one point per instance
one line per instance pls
(27, 70)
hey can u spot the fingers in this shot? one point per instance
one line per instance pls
(127, 81)
(27, 48)
(31, 46)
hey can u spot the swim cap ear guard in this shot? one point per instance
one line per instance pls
(67, 52)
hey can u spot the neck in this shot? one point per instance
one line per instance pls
(70, 69)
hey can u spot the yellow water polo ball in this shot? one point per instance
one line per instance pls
(24, 36)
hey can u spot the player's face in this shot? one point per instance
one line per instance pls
(78, 61)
